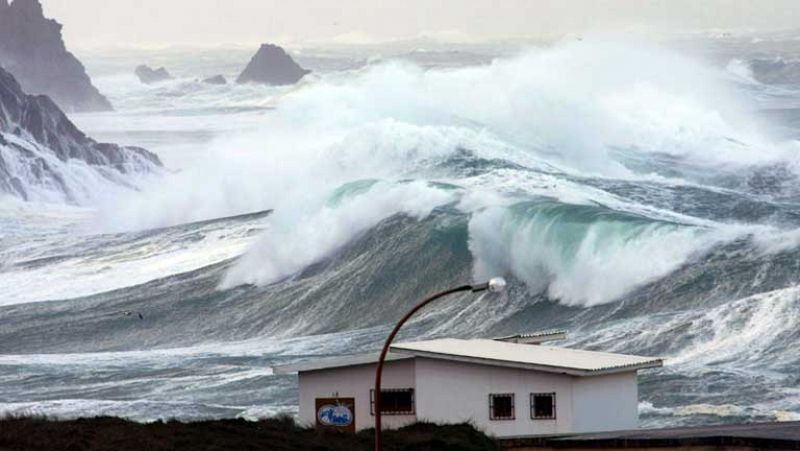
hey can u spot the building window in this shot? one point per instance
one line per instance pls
(501, 406)
(394, 401)
(543, 406)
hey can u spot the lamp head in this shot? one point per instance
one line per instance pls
(497, 285)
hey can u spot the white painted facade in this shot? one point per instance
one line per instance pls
(452, 389)
(355, 382)
(449, 392)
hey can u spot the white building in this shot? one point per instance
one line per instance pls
(508, 387)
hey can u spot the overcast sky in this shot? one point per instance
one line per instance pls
(203, 22)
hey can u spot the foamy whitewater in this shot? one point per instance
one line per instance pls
(642, 198)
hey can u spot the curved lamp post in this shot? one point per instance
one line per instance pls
(495, 285)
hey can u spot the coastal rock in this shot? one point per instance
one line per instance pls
(32, 49)
(216, 80)
(45, 157)
(148, 75)
(271, 65)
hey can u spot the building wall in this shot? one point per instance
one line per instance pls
(451, 392)
(615, 396)
(355, 382)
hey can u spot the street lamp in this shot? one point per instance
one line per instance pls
(495, 285)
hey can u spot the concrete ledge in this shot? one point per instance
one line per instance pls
(784, 436)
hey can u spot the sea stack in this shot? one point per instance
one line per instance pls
(45, 157)
(216, 80)
(148, 75)
(32, 49)
(271, 65)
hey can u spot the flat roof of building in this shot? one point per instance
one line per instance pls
(336, 362)
(541, 358)
(494, 353)
(782, 435)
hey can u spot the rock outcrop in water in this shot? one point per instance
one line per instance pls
(272, 66)
(148, 75)
(216, 80)
(32, 49)
(45, 157)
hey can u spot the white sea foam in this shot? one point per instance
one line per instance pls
(551, 110)
(44, 178)
(144, 411)
(582, 260)
(741, 71)
(571, 103)
(83, 265)
(137, 410)
(568, 104)
(743, 330)
(297, 240)
(736, 336)
(340, 342)
(718, 410)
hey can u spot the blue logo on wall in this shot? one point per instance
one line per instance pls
(338, 415)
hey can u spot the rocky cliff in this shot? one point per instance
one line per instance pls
(45, 157)
(273, 66)
(31, 48)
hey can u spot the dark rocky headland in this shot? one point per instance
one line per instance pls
(37, 135)
(32, 49)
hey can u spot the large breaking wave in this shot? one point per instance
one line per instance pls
(504, 137)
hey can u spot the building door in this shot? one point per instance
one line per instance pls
(336, 413)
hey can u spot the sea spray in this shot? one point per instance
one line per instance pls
(552, 114)
(569, 104)
(581, 255)
(297, 239)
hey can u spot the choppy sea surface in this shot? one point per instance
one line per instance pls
(643, 197)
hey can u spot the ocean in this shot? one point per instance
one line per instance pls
(642, 196)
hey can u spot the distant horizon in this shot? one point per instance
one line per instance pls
(409, 42)
(152, 24)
